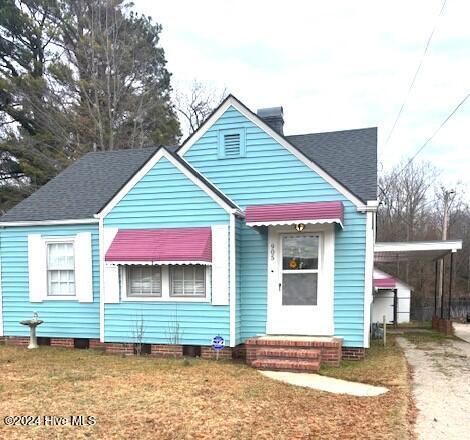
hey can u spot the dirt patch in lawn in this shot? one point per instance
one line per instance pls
(180, 399)
(384, 366)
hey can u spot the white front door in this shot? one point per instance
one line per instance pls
(300, 281)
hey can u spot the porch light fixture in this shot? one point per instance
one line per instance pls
(299, 227)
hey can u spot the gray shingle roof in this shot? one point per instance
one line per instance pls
(350, 156)
(86, 186)
(83, 188)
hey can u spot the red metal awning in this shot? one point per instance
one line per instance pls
(290, 213)
(169, 245)
(385, 283)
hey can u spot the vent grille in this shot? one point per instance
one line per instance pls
(232, 145)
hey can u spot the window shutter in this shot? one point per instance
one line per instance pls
(83, 267)
(37, 268)
(220, 265)
(110, 273)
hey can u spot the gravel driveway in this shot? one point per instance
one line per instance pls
(441, 388)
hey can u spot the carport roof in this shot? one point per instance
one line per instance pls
(390, 252)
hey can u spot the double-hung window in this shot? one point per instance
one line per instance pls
(144, 281)
(188, 281)
(60, 269)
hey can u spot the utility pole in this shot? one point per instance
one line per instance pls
(445, 226)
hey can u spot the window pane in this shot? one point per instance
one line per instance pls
(71, 288)
(177, 287)
(299, 289)
(55, 289)
(178, 272)
(199, 273)
(61, 282)
(144, 281)
(60, 256)
(300, 252)
(188, 280)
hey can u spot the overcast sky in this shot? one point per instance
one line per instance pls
(334, 65)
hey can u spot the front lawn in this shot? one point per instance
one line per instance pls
(181, 399)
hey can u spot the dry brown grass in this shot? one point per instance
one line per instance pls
(175, 399)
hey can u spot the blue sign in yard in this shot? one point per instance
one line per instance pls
(218, 343)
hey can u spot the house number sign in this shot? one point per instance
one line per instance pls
(272, 251)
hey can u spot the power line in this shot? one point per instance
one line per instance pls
(449, 116)
(416, 74)
(452, 113)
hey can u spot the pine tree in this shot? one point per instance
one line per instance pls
(76, 76)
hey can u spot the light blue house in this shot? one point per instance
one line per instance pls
(263, 239)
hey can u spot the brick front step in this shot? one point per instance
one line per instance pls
(325, 350)
(296, 343)
(286, 364)
(288, 353)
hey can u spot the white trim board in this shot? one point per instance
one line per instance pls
(368, 275)
(232, 280)
(102, 251)
(79, 221)
(325, 282)
(161, 152)
(231, 101)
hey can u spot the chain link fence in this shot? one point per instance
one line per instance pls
(424, 311)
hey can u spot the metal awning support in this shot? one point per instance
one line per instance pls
(435, 287)
(395, 307)
(451, 282)
(442, 286)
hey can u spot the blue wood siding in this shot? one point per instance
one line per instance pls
(268, 173)
(254, 280)
(165, 197)
(65, 319)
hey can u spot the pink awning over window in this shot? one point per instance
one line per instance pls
(169, 245)
(384, 283)
(290, 213)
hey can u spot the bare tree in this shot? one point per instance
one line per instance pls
(404, 194)
(196, 106)
(412, 208)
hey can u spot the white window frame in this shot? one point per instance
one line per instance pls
(183, 295)
(301, 271)
(165, 280)
(60, 240)
(128, 284)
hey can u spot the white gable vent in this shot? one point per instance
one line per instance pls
(231, 143)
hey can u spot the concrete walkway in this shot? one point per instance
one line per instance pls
(324, 383)
(462, 331)
(441, 387)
